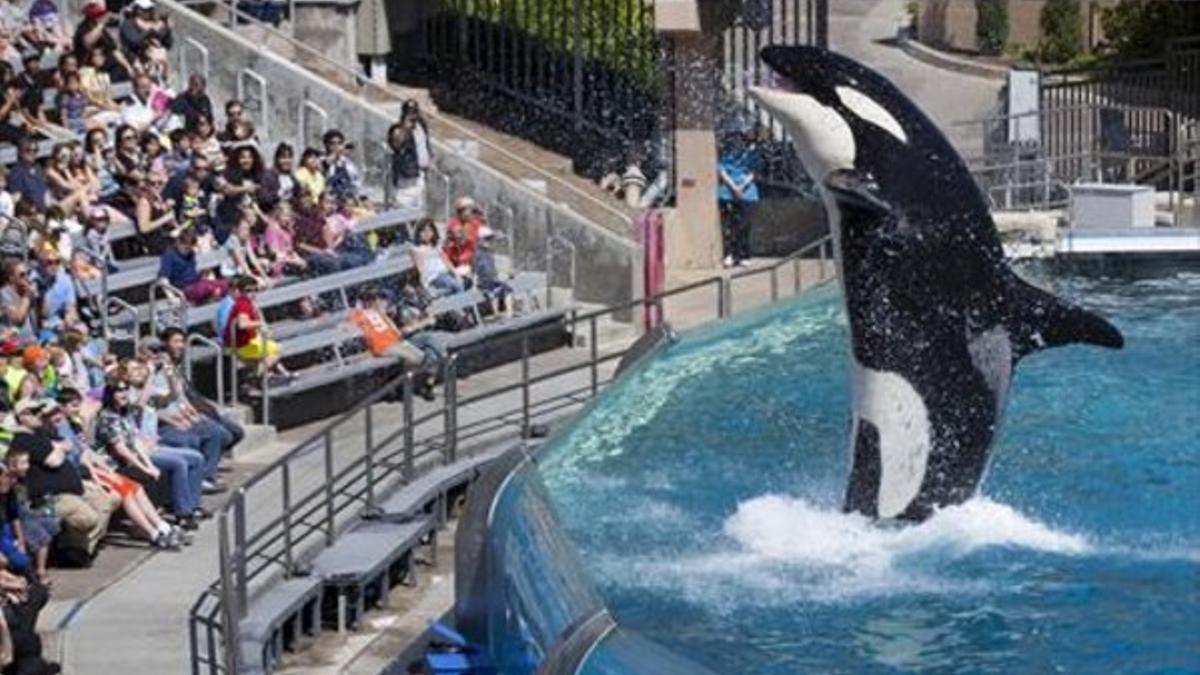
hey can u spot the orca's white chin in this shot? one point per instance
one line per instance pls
(822, 138)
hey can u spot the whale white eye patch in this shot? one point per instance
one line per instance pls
(868, 110)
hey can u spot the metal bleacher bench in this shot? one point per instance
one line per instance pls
(367, 559)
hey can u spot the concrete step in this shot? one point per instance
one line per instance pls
(259, 437)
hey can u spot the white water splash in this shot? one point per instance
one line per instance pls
(779, 550)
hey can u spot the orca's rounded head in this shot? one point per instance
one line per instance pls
(818, 72)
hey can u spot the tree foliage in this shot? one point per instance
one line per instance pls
(1062, 34)
(1143, 28)
(991, 25)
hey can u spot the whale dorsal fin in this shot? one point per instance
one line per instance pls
(1039, 320)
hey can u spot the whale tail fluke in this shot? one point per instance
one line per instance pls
(1041, 320)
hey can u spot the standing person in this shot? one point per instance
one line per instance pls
(738, 167)
(193, 102)
(342, 176)
(411, 156)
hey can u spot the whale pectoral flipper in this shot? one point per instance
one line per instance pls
(862, 492)
(1039, 321)
(854, 189)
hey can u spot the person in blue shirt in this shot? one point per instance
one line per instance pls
(738, 166)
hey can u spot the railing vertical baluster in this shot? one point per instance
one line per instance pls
(239, 546)
(329, 510)
(369, 449)
(289, 561)
(230, 611)
(525, 384)
(450, 409)
(722, 311)
(595, 353)
(797, 283)
(408, 426)
(774, 283)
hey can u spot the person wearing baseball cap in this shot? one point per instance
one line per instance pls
(468, 215)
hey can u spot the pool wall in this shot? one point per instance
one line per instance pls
(520, 587)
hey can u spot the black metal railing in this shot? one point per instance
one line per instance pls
(287, 511)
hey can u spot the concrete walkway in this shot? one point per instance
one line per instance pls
(865, 30)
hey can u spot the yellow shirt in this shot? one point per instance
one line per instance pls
(312, 182)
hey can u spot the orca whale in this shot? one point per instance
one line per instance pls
(937, 317)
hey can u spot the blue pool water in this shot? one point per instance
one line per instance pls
(703, 494)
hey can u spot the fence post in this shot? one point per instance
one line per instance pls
(721, 309)
(329, 512)
(595, 354)
(239, 546)
(450, 410)
(288, 560)
(577, 75)
(525, 384)
(230, 612)
(370, 459)
(408, 426)
(774, 283)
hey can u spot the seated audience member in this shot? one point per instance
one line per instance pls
(142, 111)
(72, 104)
(55, 484)
(96, 86)
(309, 176)
(35, 360)
(144, 32)
(245, 332)
(460, 251)
(69, 190)
(341, 175)
(99, 156)
(384, 338)
(436, 271)
(121, 430)
(340, 234)
(48, 30)
(25, 539)
(95, 238)
(127, 157)
(278, 184)
(311, 237)
(487, 277)
(240, 258)
(27, 178)
(179, 157)
(176, 426)
(67, 421)
(153, 154)
(154, 216)
(60, 307)
(18, 299)
(242, 177)
(175, 342)
(193, 102)
(205, 143)
(21, 601)
(178, 266)
(32, 113)
(468, 217)
(278, 240)
(235, 114)
(92, 32)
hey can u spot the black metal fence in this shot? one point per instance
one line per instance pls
(581, 71)
(1132, 108)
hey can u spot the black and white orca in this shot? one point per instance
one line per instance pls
(937, 317)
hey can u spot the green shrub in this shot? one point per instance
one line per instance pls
(1062, 35)
(991, 25)
(1142, 28)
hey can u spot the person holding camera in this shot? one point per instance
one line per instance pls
(341, 175)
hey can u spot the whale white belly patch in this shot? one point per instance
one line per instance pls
(890, 403)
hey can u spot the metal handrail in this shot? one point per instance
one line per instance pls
(194, 338)
(126, 308)
(248, 554)
(249, 74)
(169, 293)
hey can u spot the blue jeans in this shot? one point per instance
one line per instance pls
(206, 437)
(18, 560)
(446, 284)
(184, 468)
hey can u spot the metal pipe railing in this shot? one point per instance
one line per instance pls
(197, 338)
(381, 460)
